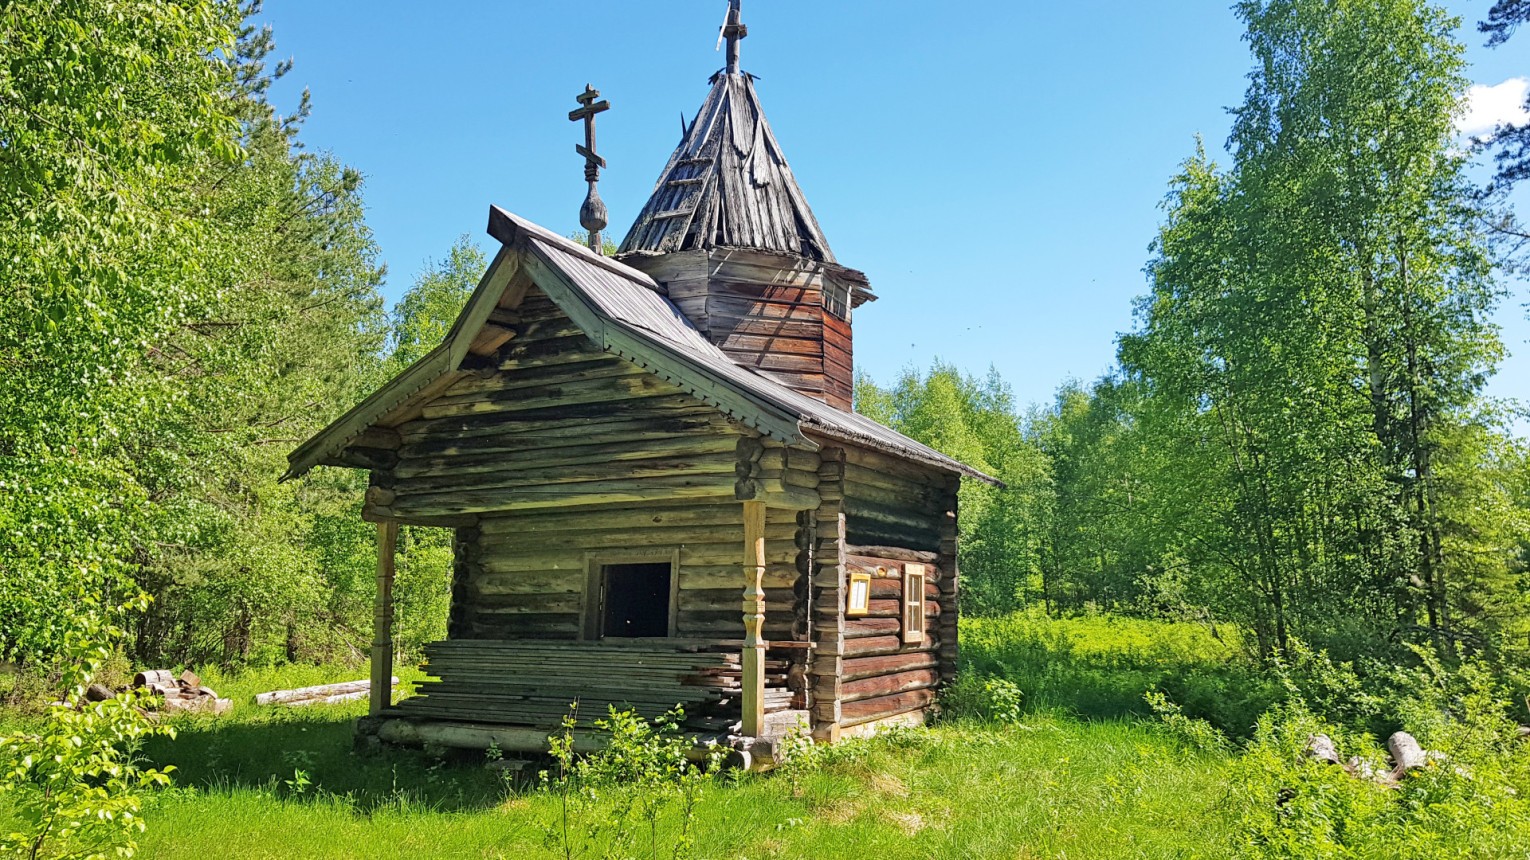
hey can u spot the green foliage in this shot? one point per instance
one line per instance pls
(425, 314)
(975, 421)
(1103, 667)
(982, 698)
(103, 108)
(611, 802)
(1468, 801)
(75, 784)
(1193, 733)
(1297, 440)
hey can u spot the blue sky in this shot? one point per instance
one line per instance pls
(996, 168)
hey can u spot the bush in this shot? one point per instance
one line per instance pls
(75, 782)
(1102, 666)
(1473, 800)
(642, 773)
(985, 698)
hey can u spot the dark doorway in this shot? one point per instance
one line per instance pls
(636, 599)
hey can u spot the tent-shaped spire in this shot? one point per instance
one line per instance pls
(728, 185)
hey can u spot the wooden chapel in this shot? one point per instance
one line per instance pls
(659, 492)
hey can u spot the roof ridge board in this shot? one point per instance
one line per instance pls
(497, 228)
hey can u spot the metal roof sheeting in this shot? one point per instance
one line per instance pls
(628, 298)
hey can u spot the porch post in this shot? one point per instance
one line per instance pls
(754, 619)
(381, 695)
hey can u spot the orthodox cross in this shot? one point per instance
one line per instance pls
(592, 215)
(733, 30)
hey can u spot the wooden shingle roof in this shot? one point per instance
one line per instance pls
(728, 186)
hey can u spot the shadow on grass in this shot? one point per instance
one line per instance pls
(1101, 667)
(297, 753)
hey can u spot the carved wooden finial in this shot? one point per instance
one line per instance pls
(732, 31)
(592, 214)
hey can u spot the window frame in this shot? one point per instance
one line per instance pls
(915, 621)
(854, 608)
(592, 611)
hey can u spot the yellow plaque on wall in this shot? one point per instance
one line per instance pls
(858, 600)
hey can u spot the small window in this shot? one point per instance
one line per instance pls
(858, 602)
(636, 600)
(836, 299)
(913, 603)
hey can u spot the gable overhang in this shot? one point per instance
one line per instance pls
(624, 312)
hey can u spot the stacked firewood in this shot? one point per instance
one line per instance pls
(183, 693)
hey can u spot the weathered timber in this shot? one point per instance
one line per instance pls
(322, 691)
(866, 710)
(891, 664)
(886, 685)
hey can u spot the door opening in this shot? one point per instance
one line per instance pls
(636, 599)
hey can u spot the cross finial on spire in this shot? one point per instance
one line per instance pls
(592, 215)
(733, 30)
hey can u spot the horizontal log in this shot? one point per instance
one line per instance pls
(508, 546)
(866, 710)
(662, 416)
(869, 530)
(570, 581)
(886, 685)
(587, 493)
(538, 456)
(700, 464)
(860, 628)
(884, 464)
(282, 697)
(869, 667)
(891, 553)
(871, 646)
(485, 605)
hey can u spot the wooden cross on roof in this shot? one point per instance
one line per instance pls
(733, 30)
(592, 215)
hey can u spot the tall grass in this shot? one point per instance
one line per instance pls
(1101, 667)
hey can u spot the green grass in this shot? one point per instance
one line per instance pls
(1052, 788)
(1110, 786)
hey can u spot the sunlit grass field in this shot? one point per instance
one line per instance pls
(1079, 777)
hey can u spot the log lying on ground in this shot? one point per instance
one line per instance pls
(321, 694)
(1321, 747)
(1406, 754)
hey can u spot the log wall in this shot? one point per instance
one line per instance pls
(555, 422)
(896, 512)
(893, 502)
(530, 577)
(766, 311)
(881, 675)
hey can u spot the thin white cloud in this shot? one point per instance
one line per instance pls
(1488, 107)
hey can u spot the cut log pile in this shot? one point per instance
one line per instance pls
(185, 692)
(533, 683)
(323, 694)
(1406, 752)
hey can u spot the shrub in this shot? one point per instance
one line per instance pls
(634, 781)
(75, 783)
(986, 698)
(1471, 801)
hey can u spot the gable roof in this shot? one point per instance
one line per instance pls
(728, 185)
(623, 312)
